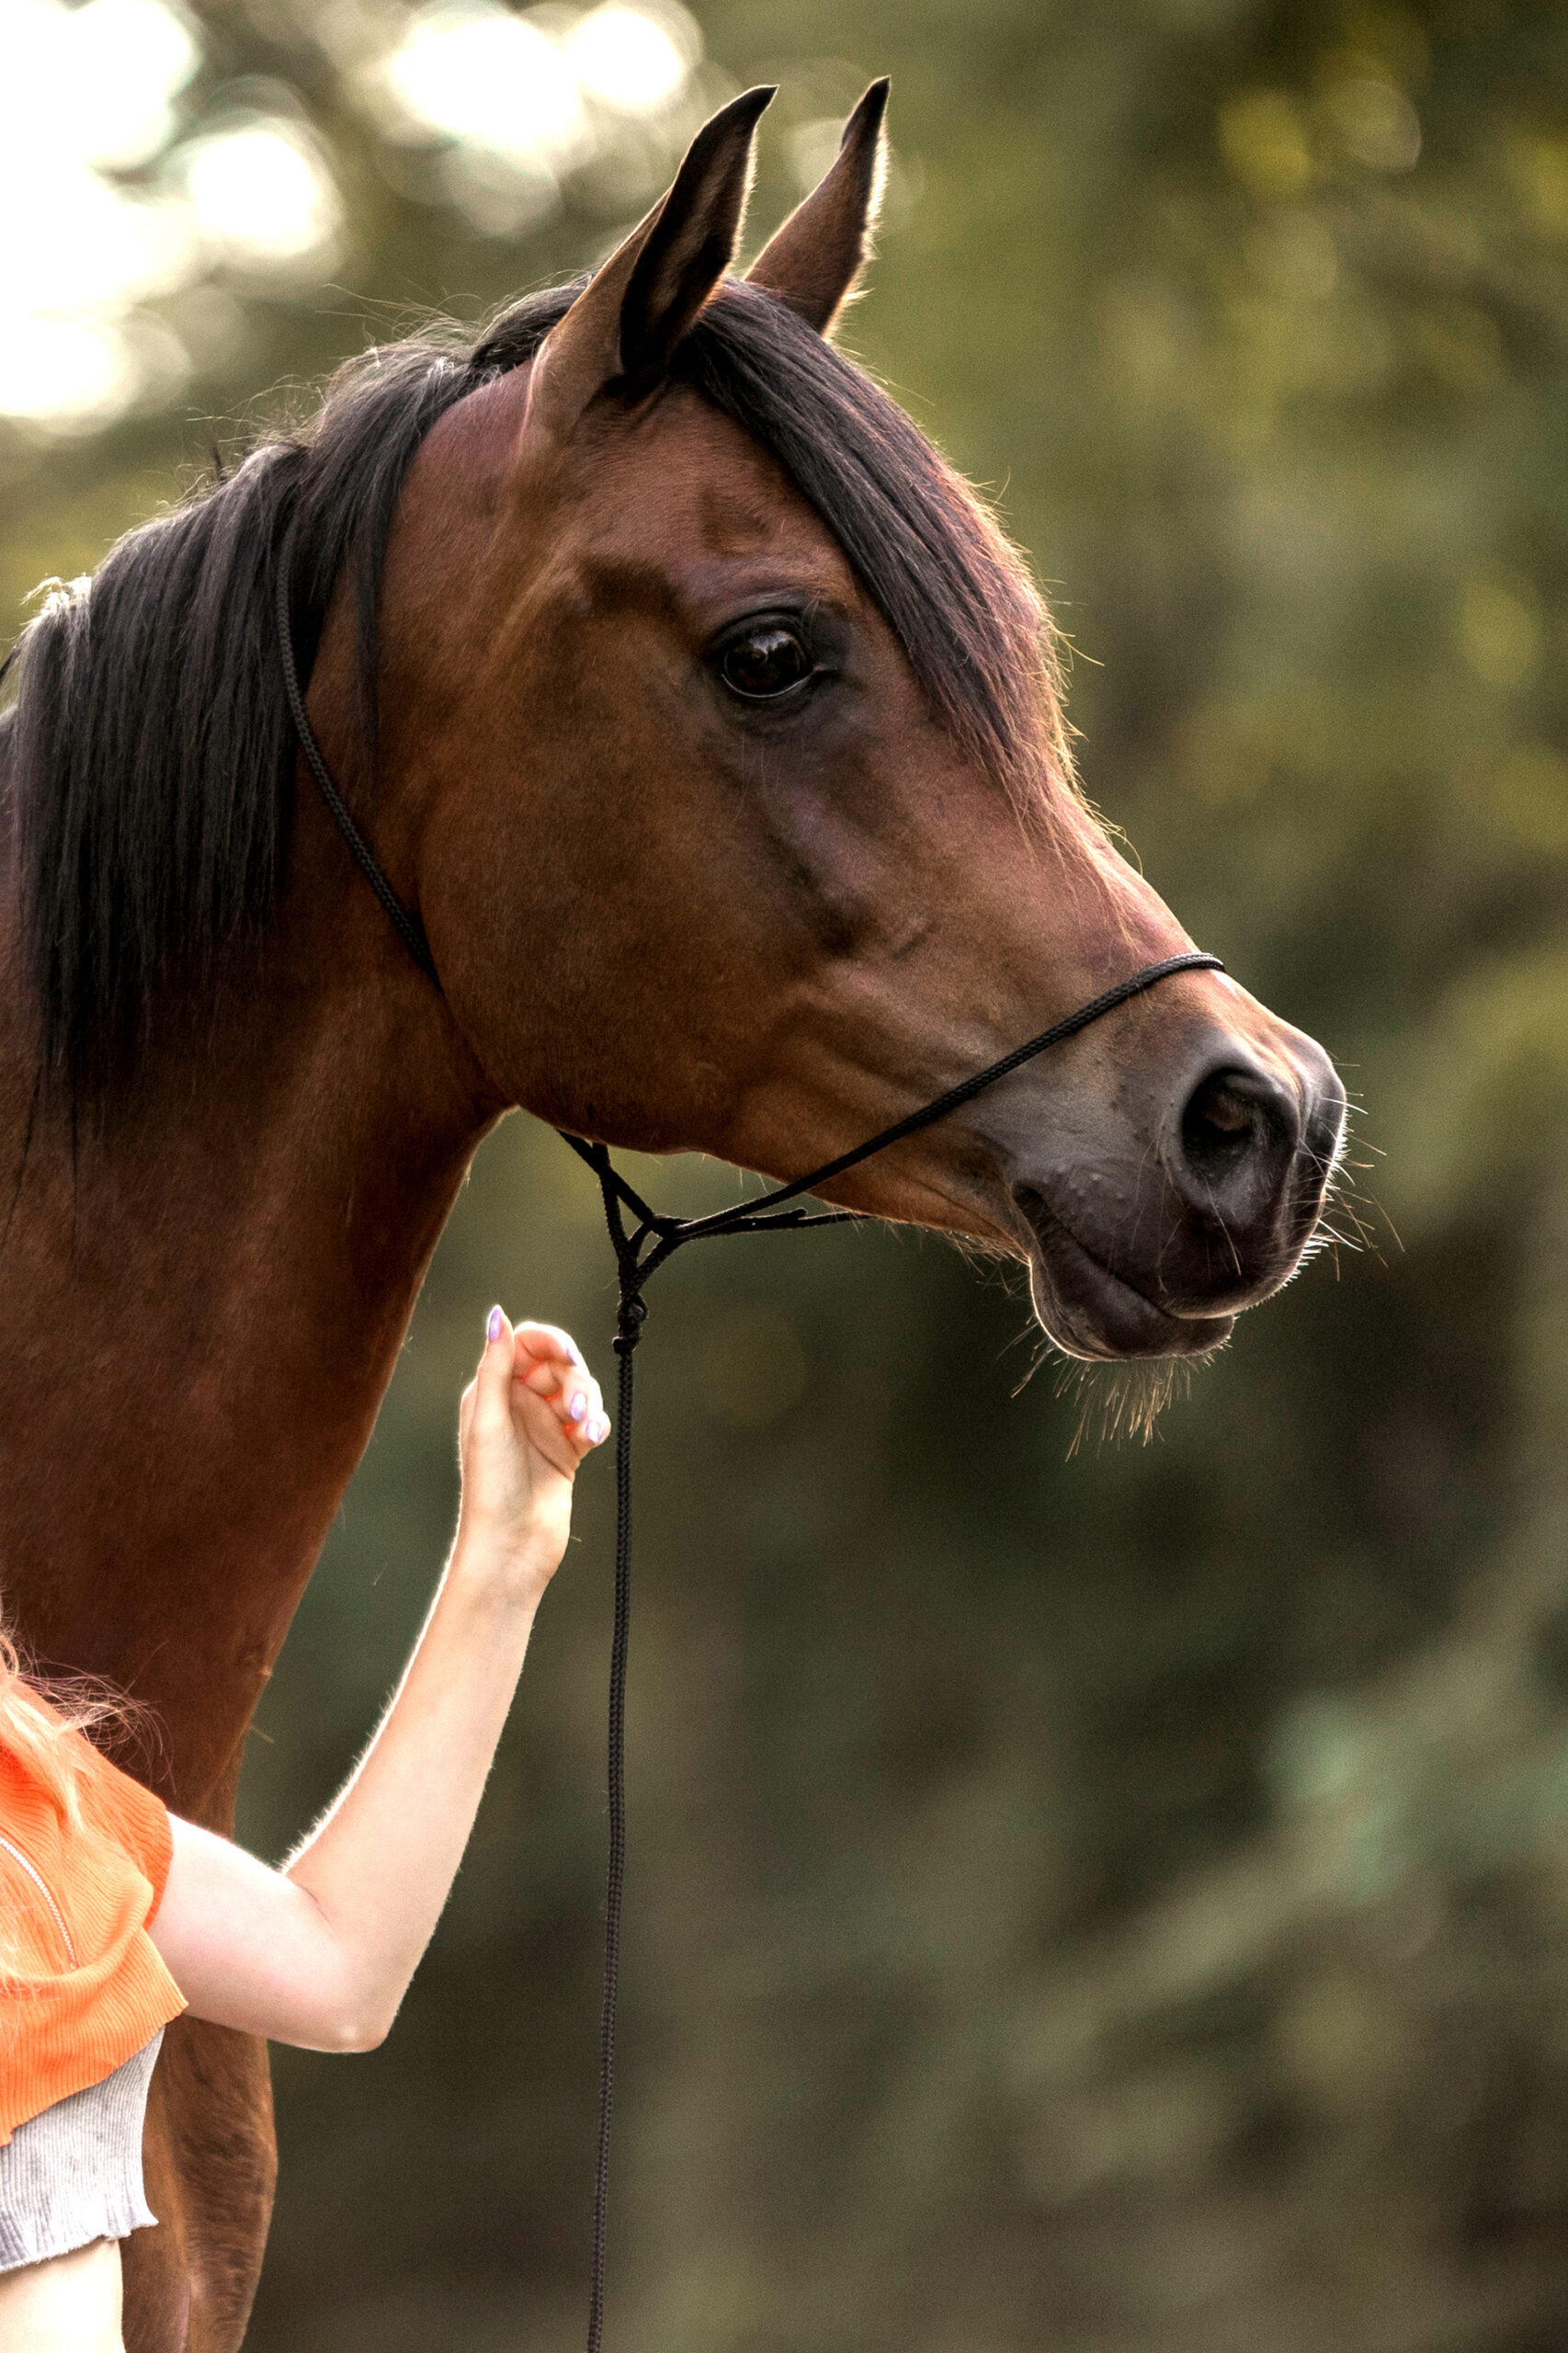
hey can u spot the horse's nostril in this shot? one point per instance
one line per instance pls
(1231, 1117)
(1219, 1107)
(1217, 1126)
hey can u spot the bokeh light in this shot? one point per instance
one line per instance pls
(470, 71)
(515, 102)
(634, 59)
(68, 369)
(162, 188)
(262, 194)
(124, 64)
(86, 92)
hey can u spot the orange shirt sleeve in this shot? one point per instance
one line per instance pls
(84, 1984)
(135, 1819)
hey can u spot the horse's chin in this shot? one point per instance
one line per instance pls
(1092, 1314)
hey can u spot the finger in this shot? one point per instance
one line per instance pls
(577, 1409)
(562, 1436)
(548, 1344)
(540, 1430)
(577, 1402)
(550, 1362)
(491, 1381)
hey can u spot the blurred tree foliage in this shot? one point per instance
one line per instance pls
(1107, 1902)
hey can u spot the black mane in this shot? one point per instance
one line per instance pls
(148, 761)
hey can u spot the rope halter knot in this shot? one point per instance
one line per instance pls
(630, 1320)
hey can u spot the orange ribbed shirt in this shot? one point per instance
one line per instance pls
(82, 1985)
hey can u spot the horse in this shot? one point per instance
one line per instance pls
(711, 730)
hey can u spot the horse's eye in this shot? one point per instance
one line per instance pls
(766, 661)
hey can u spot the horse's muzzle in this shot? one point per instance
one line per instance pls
(1198, 1200)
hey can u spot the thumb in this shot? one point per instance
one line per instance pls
(493, 1382)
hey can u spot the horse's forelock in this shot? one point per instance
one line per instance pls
(956, 594)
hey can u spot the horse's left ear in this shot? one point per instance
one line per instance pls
(624, 326)
(814, 259)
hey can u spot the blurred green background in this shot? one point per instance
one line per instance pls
(1097, 1901)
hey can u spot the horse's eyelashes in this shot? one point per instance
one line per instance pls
(765, 662)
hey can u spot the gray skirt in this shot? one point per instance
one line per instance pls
(74, 2174)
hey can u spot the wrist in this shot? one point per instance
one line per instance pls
(510, 1563)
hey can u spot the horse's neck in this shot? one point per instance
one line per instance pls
(198, 1321)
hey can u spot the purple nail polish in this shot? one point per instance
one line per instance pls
(600, 1430)
(578, 1407)
(493, 1324)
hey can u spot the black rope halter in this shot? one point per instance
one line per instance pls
(641, 1249)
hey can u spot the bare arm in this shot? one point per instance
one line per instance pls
(321, 1953)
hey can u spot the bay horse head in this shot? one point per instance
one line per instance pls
(712, 727)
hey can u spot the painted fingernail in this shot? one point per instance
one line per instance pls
(599, 1431)
(578, 1407)
(493, 1324)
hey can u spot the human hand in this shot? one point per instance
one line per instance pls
(529, 1416)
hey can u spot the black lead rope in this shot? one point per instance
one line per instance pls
(641, 1249)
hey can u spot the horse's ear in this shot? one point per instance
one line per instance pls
(625, 324)
(814, 259)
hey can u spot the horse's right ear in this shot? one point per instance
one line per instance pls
(625, 324)
(814, 261)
